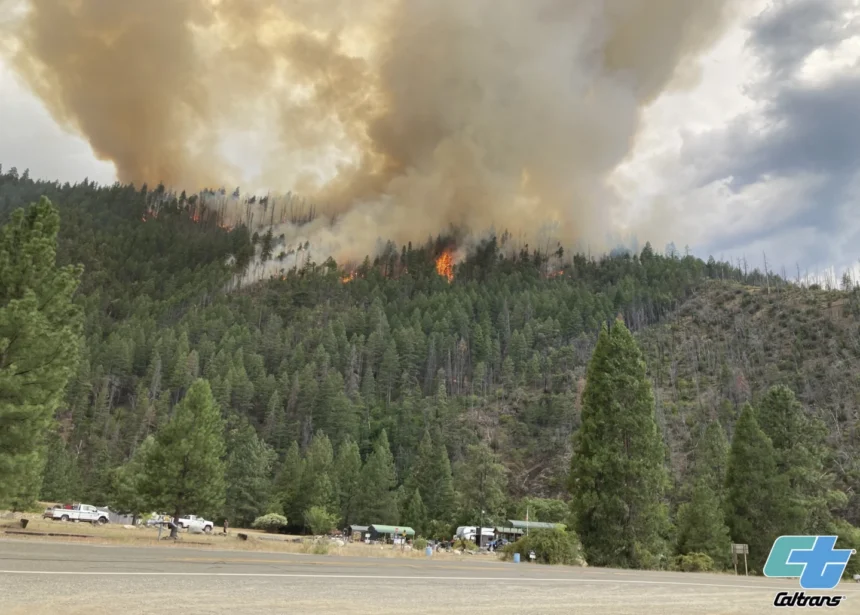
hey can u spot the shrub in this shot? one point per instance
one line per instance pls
(554, 546)
(319, 520)
(693, 562)
(316, 547)
(420, 544)
(849, 538)
(464, 545)
(271, 523)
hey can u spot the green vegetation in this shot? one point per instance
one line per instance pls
(724, 407)
(271, 523)
(184, 470)
(618, 478)
(39, 335)
(319, 520)
(552, 547)
(693, 562)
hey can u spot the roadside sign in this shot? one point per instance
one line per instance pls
(740, 549)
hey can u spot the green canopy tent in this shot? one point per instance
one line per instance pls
(387, 532)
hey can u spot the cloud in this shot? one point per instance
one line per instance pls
(781, 176)
(789, 31)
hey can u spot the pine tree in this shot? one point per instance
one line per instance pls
(701, 526)
(798, 442)
(481, 483)
(757, 495)
(127, 493)
(444, 498)
(288, 483)
(59, 482)
(711, 458)
(378, 500)
(618, 478)
(318, 483)
(421, 473)
(347, 467)
(39, 334)
(248, 475)
(184, 471)
(414, 514)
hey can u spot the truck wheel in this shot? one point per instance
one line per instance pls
(101, 520)
(64, 518)
(208, 529)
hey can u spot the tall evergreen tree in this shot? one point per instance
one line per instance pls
(618, 478)
(702, 527)
(798, 442)
(711, 459)
(481, 483)
(184, 471)
(757, 495)
(127, 493)
(248, 475)
(60, 482)
(414, 514)
(378, 499)
(347, 466)
(40, 328)
(318, 482)
(288, 483)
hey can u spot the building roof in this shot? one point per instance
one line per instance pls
(389, 529)
(509, 530)
(535, 525)
(359, 528)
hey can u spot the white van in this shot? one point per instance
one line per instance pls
(470, 532)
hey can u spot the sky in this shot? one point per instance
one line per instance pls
(760, 157)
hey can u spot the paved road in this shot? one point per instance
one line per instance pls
(42, 577)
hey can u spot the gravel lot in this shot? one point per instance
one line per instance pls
(53, 578)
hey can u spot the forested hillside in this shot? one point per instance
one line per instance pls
(390, 392)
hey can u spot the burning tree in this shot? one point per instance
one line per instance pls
(445, 264)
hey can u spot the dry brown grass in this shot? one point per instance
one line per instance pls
(148, 537)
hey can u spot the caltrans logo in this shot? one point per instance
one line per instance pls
(815, 561)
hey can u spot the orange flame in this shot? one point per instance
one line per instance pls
(445, 265)
(348, 278)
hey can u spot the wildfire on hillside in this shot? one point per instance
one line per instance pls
(445, 264)
(348, 277)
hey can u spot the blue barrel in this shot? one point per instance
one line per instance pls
(516, 558)
(428, 551)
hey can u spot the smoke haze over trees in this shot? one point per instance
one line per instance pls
(403, 117)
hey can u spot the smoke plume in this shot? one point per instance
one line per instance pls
(401, 118)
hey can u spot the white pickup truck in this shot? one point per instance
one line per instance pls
(79, 512)
(193, 522)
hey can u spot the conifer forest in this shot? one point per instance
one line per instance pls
(660, 406)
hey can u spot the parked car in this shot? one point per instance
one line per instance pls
(193, 522)
(79, 512)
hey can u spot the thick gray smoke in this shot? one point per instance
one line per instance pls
(403, 117)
